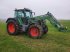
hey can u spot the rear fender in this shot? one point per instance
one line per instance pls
(9, 19)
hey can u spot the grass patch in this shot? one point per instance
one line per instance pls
(54, 41)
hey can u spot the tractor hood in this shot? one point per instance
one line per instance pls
(35, 20)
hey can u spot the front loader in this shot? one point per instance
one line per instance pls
(35, 27)
(53, 21)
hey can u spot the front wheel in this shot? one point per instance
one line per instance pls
(45, 29)
(35, 31)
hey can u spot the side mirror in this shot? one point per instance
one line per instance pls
(33, 13)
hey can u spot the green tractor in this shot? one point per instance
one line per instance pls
(35, 27)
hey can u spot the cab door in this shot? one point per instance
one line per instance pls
(22, 19)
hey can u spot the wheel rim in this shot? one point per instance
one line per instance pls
(11, 28)
(34, 31)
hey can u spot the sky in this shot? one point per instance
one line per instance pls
(59, 8)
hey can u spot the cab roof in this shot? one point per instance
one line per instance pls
(25, 9)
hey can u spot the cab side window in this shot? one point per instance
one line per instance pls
(20, 14)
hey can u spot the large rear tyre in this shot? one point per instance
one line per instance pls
(35, 31)
(12, 27)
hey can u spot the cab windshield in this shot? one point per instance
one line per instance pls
(28, 14)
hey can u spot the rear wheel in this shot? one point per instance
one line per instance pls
(35, 31)
(12, 27)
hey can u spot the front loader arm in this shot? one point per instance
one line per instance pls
(53, 21)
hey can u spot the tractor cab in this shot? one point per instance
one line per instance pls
(25, 13)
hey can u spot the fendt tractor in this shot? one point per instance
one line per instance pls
(35, 27)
